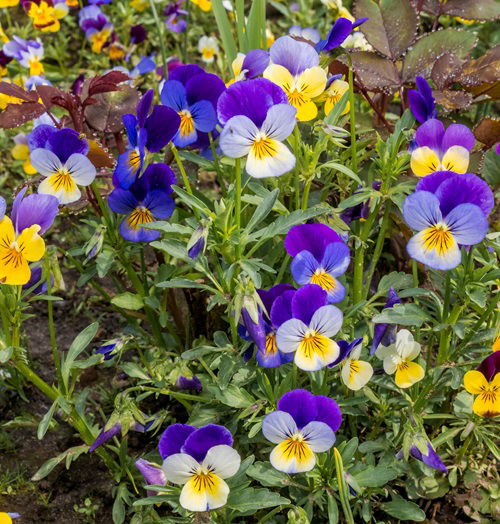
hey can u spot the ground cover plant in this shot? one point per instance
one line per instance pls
(249, 261)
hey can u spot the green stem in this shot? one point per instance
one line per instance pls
(237, 205)
(352, 118)
(343, 489)
(159, 31)
(305, 196)
(218, 169)
(180, 165)
(296, 139)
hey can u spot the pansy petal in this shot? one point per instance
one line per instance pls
(81, 169)
(255, 62)
(306, 301)
(312, 82)
(303, 267)
(152, 473)
(280, 122)
(310, 237)
(173, 94)
(327, 321)
(160, 204)
(424, 161)
(143, 107)
(457, 135)
(337, 34)
(418, 106)
(66, 142)
(34, 209)
(490, 366)
(421, 210)
(293, 456)
(161, 126)
(412, 373)
(319, 436)
(173, 438)
(315, 353)
(45, 161)
(122, 201)
(456, 159)
(432, 182)
(328, 411)
(301, 405)
(336, 258)
(467, 224)
(179, 467)
(204, 116)
(204, 496)
(130, 123)
(433, 460)
(269, 296)
(39, 137)
(280, 76)
(66, 192)
(448, 258)
(237, 136)
(137, 233)
(356, 374)
(223, 460)
(293, 55)
(281, 309)
(430, 134)
(200, 441)
(278, 426)
(33, 244)
(475, 382)
(487, 405)
(274, 159)
(290, 335)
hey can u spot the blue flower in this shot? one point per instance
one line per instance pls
(340, 30)
(422, 103)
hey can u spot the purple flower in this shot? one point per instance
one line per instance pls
(36, 280)
(96, 26)
(200, 460)
(151, 131)
(27, 52)
(439, 234)
(198, 240)
(340, 30)
(431, 459)
(99, 2)
(193, 383)
(111, 348)
(114, 430)
(309, 35)
(249, 66)
(303, 425)
(152, 473)
(194, 98)
(319, 256)
(440, 150)
(4, 59)
(422, 103)
(175, 17)
(146, 200)
(345, 349)
(138, 34)
(305, 324)
(385, 334)
(33, 209)
(490, 366)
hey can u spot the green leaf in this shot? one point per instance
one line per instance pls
(397, 280)
(196, 159)
(256, 25)
(266, 475)
(184, 283)
(190, 200)
(45, 422)
(251, 500)
(333, 116)
(403, 314)
(50, 464)
(491, 168)
(232, 396)
(5, 354)
(342, 169)
(404, 510)
(225, 31)
(263, 209)
(375, 476)
(128, 301)
(201, 351)
(78, 345)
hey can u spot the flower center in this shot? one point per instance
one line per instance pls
(134, 160)
(208, 53)
(402, 366)
(140, 215)
(187, 123)
(324, 280)
(271, 346)
(353, 368)
(296, 98)
(12, 256)
(313, 343)
(296, 447)
(438, 237)
(263, 147)
(204, 480)
(62, 180)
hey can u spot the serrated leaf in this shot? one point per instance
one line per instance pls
(473, 9)
(375, 72)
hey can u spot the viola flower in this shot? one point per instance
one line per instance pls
(146, 200)
(21, 151)
(4, 60)
(36, 280)
(308, 34)
(340, 30)
(295, 68)
(439, 234)
(422, 103)
(333, 94)
(115, 429)
(115, 50)
(398, 359)
(303, 425)
(249, 66)
(96, 26)
(440, 150)
(59, 155)
(385, 334)
(193, 94)
(175, 21)
(199, 460)
(138, 34)
(258, 128)
(46, 14)
(193, 383)
(305, 324)
(153, 475)
(27, 53)
(20, 235)
(204, 5)
(145, 131)
(319, 257)
(485, 383)
(263, 333)
(431, 458)
(355, 373)
(207, 46)
(111, 348)
(139, 5)
(198, 241)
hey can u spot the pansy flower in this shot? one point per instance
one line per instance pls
(96, 26)
(21, 151)
(440, 232)
(46, 14)
(295, 68)
(145, 131)
(340, 30)
(146, 200)
(204, 5)
(303, 425)
(333, 93)
(108, 433)
(190, 384)
(200, 460)
(319, 257)
(28, 53)
(440, 150)
(59, 155)
(355, 373)
(257, 118)
(485, 383)
(263, 333)
(307, 34)
(431, 458)
(111, 348)
(384, 333)
(305, 324)
(20, 235)
(193, 94)
(208, 48)
(422, 103)
(152, 473)
(397, 358)
(175, 17)
(249, 66)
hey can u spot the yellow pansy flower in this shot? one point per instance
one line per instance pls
(333, 94)
(46, 17)
(487, 402)
(204, 5)
(356, 373)
(208, 48)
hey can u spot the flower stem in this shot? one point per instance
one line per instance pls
(159, 32)
(218, 169)
(237, 205)
(352, 118)
(343, 489)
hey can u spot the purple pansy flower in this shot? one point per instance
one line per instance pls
(138, 34)
(263, 334)
(422, 103)
(107, 434)
(36, 280)
(152, 473)
(194, 98)
(146, 200)
(200, 460)
(111, 348)
(440, 150)
(250, 65)
(145, 131)
(28, 53)
(175, 17)
(340, 30)
(305, 324)
(490, 366)
(257, 119)
(439, 234)
(96, 26)
(430, 459)
(385, 334)
(193, 383)
(303, 425)
(319, 256)
(40, 210)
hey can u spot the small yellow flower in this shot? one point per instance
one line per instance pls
(269, 37)
(356, 373)
(139, 5)
(21, 152)
(208, 48)
(116, 51)
(3, 36)
(487, 402)
(8, 3)
(333, 95)
(98, 39)
(204, 5)
(46, 17)
(5, 518)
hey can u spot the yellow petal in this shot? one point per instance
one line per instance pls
(20, 152)
(356, 374)
(31, 244)
(203, 492)
(305, 111)
(408, 373)
(475, 382)
(456, 159)
(280, 76)
(7, 235)
(315, 352)
(487, 404)
(424, 161)
(293, 455)
(312, 82)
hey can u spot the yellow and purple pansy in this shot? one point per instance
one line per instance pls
(440, 150)
(176, 18)
(28, 53)
(385, 334)
(96, 26)
(305, 324)
(200, 460)
(319, 257)
(251, 65)
(485, 383)
(46, 14)
(257, 118)
(146, 200)
(193, 94)
(60, 155)
(304, 424)
(340, 30)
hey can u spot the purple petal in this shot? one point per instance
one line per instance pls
(204, 87)
(268, 297)
(257, 332)
(328, 411)
(490, 366)
(105, 435)
(467, 224)
(193, 383)
(392, 298)
(382, 332)
(337, 34)
(201, 440)
(431, 459)
(122, 201)
(307, 300)
(255, 62)
(273, 360)
(432, 182)
(143, 107)
(184, 73)
(310, 237)
(336, 258)
(421, 210)
(430, 134)
(161, 126)
(3, 207)
(301, 405)
(160, 204)
(418, 106)
(345, 350)
(159, 176)
(130, 123)
(173, 438)
(36, 278)
(458, 135)
(153, 474)
(34, 209)
(39, 137)
(66, 142)
(281, 310)
(173, 94)
(137, 235)
(293, 55)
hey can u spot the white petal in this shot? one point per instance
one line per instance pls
(179, 468)
(278, 426)
(290, 334)
(44, 161)
(81, 168)
(204, 496)
(319, 436)
(279, 161)
(237, 136)
(280, 121)
(223, 460)
(327, 320)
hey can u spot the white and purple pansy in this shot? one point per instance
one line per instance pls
(319, 257)
(305, 324)
(59, 155)
(250, 65)
(303, 425)
(146, 200)
(199, 460)
(257, 119)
